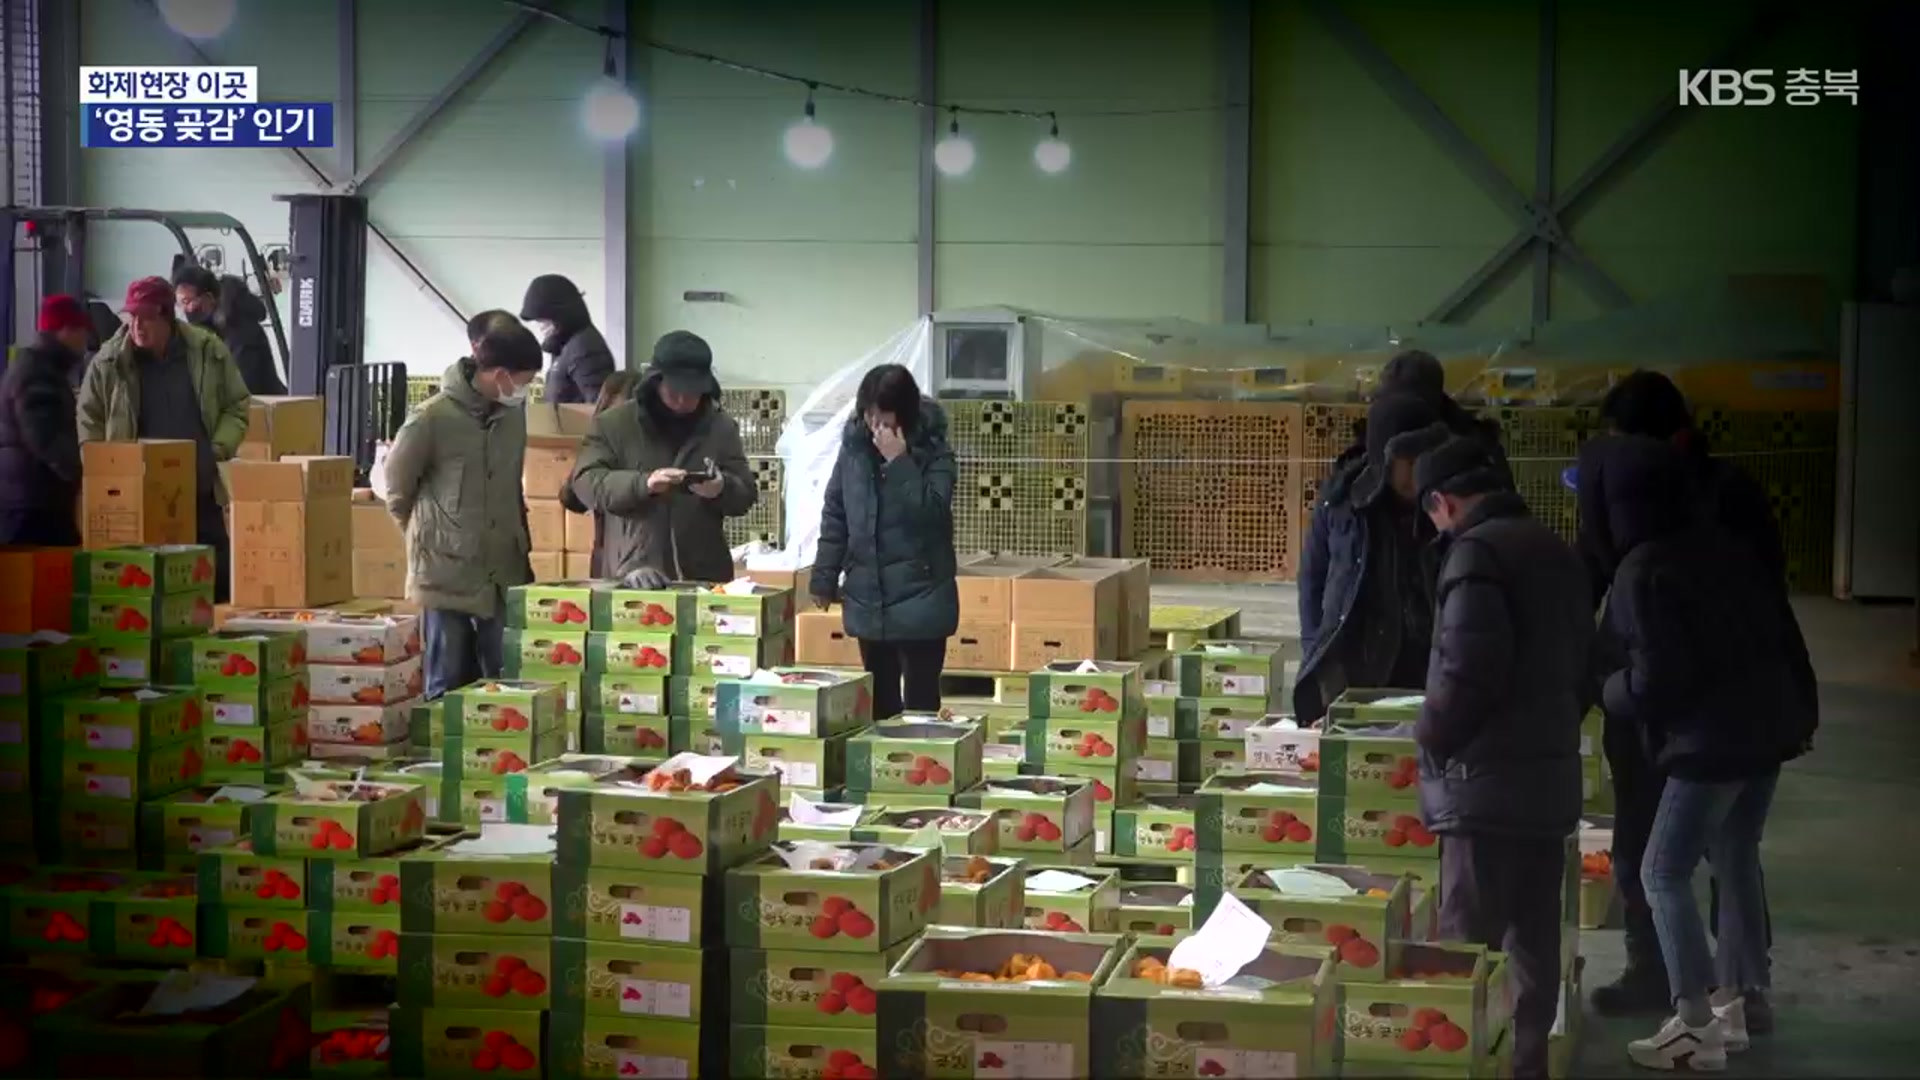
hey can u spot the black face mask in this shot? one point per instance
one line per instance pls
(200, 318)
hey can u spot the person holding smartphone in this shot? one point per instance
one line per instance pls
(666, 469)
(887, 526)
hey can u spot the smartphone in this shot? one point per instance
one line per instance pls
(693, 478)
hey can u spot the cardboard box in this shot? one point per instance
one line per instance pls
(355, 941)
(821, 639)
(1036, 646)
(194, 820)
(806, 987)
(503, 889)
(729, 657)
(1366, 927)
(1231, 669)
(577, 532)
(981, 647)
(986, 587)
(1376, 706)
(475, 971)
(261, 1032)
(361, 725)
(798, 579)
(36, 589)
(254, 932)
(617, 692)
(699, 736)
(129, 775)
(1263, 814)
(1160, 828)
(337, 638)
(1357, 828)
(880, 897)
(804, 702)
(547, 524)
(1460, 993)
(278, 426)
(530, 654)
(380, 573)
(555, 605)
(1277, 744)
(365, 684)
(242, 753)
(603, 903)
(129, 720)
(1068, 597)
(914, 754)
(1154, 910)
(577, 565)
(138, 493)
(647, 737)
(1071, 899)
(492, 756)
(586, 1047)
(1134, 600)
(801, 762)
(1163, 704)
(616, 608)
(501, 707)
(547, 565)
(1369, 759)
(237, 875)
(1219, 756)
(548, 465)
(452, 1042)
(292, 531)
(982, 891)
(765, 612)
(1161, 761)
(614, 827)
(374, 527)
(1217, 718)
(339, 819)
(236, 660)
(1061, 689)
(1096, 738)
(638, 978)
(960, 831)
(1038, 813)
(804, 1053)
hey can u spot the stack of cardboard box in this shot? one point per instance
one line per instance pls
(279, 427)
(491, 732)
(134, 493)
(371, 670)
(548, 466)
(1021, 613)
(1221, 690)
(1089, 719)
(256, 692)
(133, 600)
(112, 750)
(292, 531)
(36, 589)
(643, 917)
(176, 828)
(37, 672)
(723, 634)
(379, 550)
(915, 762)
(797, 723)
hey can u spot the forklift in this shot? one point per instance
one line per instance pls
(321, 355)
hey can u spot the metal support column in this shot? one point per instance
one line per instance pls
(346, 131)
(1236, 145)
(923, 240)
(617, 308)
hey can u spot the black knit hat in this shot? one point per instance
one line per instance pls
(1391, 419)
(1417, 372)
(1646, 403)
(1456, 465)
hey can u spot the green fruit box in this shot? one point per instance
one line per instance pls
(743, 611)
(685, 832)
(1369, 759)
(1284, 1024)
(1102, 737)
(1083, 688)
(532, 797)
(1152, 909)
(126, 660)
(478, 757)
(915, 755)
(1231, 669)
(350, 1044)
(1163, 707)
(255, 933)
(694, 735)
(636, 978)
(801, 702)
(647, 736)
(130, 775)
(1037, 813)
(234, 660)
(1113, 784)
(800, 761)
(1257, 813)
(1071, 899)
(281, 701)
(370, 886)
(807, 988)
(583, 1047)
(1215, 757)
(805, 1053)
(360, 941)
(961, 831)
(1445, 1004)
(89, 832)
(623, 904)
(168, 615)
(982, 891)
(234, 874)
(527, 654)
(1366, 922)
(497, 884)
(38, 667)
(1162, 829)
(1358, 828)
(847, 897)
(1001, 760)
(1217, 718)
(232, 753)
(144, 571)
(1375, 706)
(132, 719)
(626, 693)
(1279, 745)
(728, 657)
(644, 655)
(614, 608)
(339, 819)
(939, 1025)
(694, 695)
(188, 822)
(136, 917)
(497, 707)
(1165, 761)
(556, 605)
(260, 1032)
(475, 971)
(454, 1042)
(426, 725)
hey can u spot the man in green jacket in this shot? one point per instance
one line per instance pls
(160, 378)
(453, 484)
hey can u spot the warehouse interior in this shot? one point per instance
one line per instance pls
(1153, 257)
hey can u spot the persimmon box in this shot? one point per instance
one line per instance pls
(233, 660)
(1363, 915)
(805, 1053)
(260, 1032)
(357, 941)
(638, 978)
(801, 762)
(807, 988)
(1075, 688)
(692, 831)
(961, 831)
(499, 883)
(1369, 759)
(155, 615)
(153, 920)
(915, 754)
(282, 701)
(845, 897)
(1217, 718)
(365, 684)
(1257, 813)
(664, 610)
(698, 734)
(552, 605)
(36, 667)
(1092, 738)
(483, 757)
(622, 694)
(455, 1042)
(370, 885)
(339, 819)
(756, 611)
(255, 933)
(984, 891)
(1357, 829)
(1158, 828)
(625, 904)
(61, 910)
(1442, 1005)
(475, 971)
(144, 571)
(532, 797)
(130, 775)
(188, 822)
(498, 706)
(240, 753)
(237, 875)
(1070, 899)
(1153, 909)
(533, 653)
(636, 656)
(727, 656)
(1037, 813)
(116, 720)
(1231, 669)
(645, 736)
(585, 1047)
(794, 701)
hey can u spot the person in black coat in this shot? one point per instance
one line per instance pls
(1499, 732)
(887, 524)
(1418, 372)
(581, 359)
(39, 432)
(1366, 576)
(238, 318)
(1717, 688)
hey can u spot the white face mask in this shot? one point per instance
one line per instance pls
(515, 396)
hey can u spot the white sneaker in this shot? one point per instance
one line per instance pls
(1677, 1046)
(1731, 1014)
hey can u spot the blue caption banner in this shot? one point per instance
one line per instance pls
(276, 123)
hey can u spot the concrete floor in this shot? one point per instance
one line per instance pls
(1842, 856)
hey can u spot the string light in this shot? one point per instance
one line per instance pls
(808, 142)
(610, 110)
(1053, 155)
(954, 154)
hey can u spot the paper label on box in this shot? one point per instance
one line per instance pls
(636, 704)
(206, 838)
(1243, 685)
(1160, 727)
(492, 811)
(1153, 769)
(1278, 1064)
(787, 722)
(233, 713)
(1023, 1060)
(1231, 938)
(646, 997)
(650, 923)
(732, 667)
(736, 625)
(1234, 727)
(126, 667)
(103, 737)
(110, 787)
(1099, 841)
(798, 773)
(12, 733)
(644, 1067)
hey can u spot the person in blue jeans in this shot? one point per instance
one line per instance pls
(1718, 686)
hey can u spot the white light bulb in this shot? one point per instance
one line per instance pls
(954, 154)
(808, 143)
(198, 19)
(610, 111)
(1053, 155)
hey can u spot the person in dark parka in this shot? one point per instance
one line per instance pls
(581, 359)
(1715, 685)
(617, 390)
(39, 438)
(238, 319)
(887, 524)
(1366, 576)
(1499, 732)
(1418, 372)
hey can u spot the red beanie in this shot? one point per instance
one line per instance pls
(59, 313)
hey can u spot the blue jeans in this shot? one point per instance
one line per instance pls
(1723, 822)
(460, 649)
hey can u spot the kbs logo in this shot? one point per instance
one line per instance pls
(1755, 86)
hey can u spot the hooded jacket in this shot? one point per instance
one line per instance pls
(109, 400)
(453, 484)
(1507, 682)
(238, 318)
(581, 358)
(889, 527)
(39, 446)
(677, 533)
(1717, 678)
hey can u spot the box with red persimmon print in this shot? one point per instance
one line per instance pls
(264, 1031)
(128, 776)
(475, 971)
(131, 719)
(690, 831)
(241, 753)
(370, 885)
(988, 892)
(1367, 747)
(503, 707)
(1366, 922)
(453, 1042)
(468, 758)
(336, 637)
(550, 605)
(1087, 688)
(639, 978)
(237, 875)
(805, 1053)
(1037, 813)
(255, 933)
(1071, 899)
(338, 819)
(534, 654)
(358, 941)
(155, 617)
(1153, 909)
(1442, 1005)
(1358, 828)
(234, 660)
(804, 988)
(1268, 814)
(499, 883)
(144, 571)
(831, 897)
(1160, 828)
(613, 654)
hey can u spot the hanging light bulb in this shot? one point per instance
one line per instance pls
(1053, 155)
(610, 111)
(954, 154)
(808, 143)
(200, 20)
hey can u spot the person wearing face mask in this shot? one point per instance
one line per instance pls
(196, 294)
(581, 359)
(453, 485)
(39, 443)
(160, 378)
(237, 318)
(666, 469)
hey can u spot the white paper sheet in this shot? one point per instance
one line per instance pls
(191, 991)
(1059, 881)
(1313, 884)
(237, 794)
(806, 812)
(507, 840)
(702, 767)
(1231, 938)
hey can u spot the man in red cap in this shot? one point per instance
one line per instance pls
(161, 378)
(39, 442)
